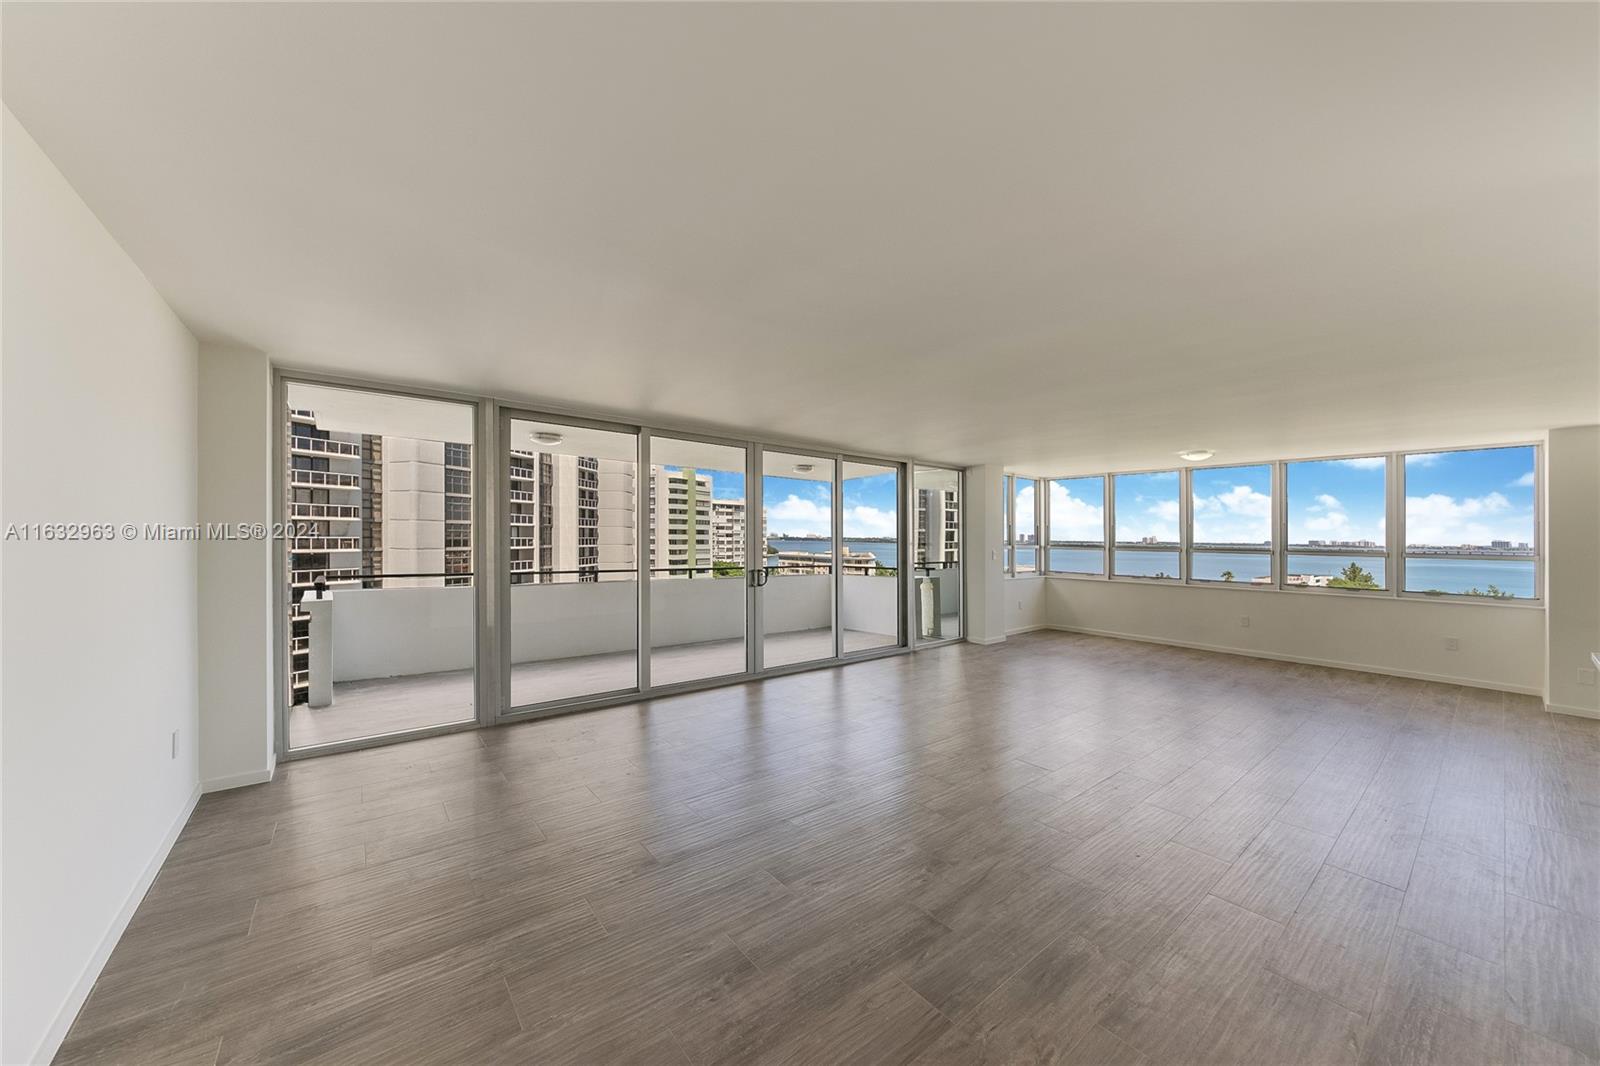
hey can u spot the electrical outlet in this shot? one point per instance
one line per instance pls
(174, 743)
(1244, 620)
(1452, 643)
(1586, 676)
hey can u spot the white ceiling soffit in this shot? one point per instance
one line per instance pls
(574, 440)
(382, 413)
(1065, 237)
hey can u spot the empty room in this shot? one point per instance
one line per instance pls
(705, 534)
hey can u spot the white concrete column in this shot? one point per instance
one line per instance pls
(1572, 570)
(237, 428)
(984, 566)
(319, 664)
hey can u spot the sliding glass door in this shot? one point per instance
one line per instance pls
(697, 538)
(380, 596)
(625, 562)
(796, 584)
(870, 571)
(571, 505)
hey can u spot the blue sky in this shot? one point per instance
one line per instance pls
(803, 507)
(796, 507)
(1470, 497)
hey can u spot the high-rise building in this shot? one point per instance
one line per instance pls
(680, 523)
(727, 531)
(571, 518)
(938, 526)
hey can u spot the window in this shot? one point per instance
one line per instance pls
(1146, 520)
(1230, 524)
(1469, 523)
(457, 454)
(1334, 514)
(1025, 526)
(458, 508)
(1005, 519)
(1077, 515)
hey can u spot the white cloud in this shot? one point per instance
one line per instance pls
(1523, 482)
(1239, 516)
(1370, 462)
(1024, 508)
(866, 521)
(1072, 518)
(795, 515)
(1448, 521)
(1326, 502)
(1424, 459)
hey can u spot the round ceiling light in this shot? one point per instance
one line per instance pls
(804, 468)
(544, 436)
(1196, 455)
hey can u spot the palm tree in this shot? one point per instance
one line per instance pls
(1227, 575)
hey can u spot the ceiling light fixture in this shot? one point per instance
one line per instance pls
(544, 436)
(1196, 455)
(804, 468)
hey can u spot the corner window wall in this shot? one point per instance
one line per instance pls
(1147, 520)
(1025, 525)
(1459, 523)
(1077, 517)
(1471, 526)
(1230, 519)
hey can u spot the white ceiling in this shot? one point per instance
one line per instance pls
(1064, 237)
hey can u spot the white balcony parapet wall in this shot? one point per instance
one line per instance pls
(396, 632)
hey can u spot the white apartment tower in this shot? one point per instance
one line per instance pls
(938, 527)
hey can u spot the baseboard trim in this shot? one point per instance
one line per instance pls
(251, 777)
(985, 640)
(1028, 629)
(91, 972)
(1576, 712)
(1252, 653)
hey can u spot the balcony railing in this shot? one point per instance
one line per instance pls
(303, 579)
(325, 479)
(319, 446)
(342, 512)
(325, 544)
(523, 473)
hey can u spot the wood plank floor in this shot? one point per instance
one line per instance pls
(1058, 849)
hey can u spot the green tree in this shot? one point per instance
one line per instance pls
(1353, 577)
(724, 568)
(1227, 575)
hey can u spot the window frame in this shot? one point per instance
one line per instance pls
(1392, 553)
(1402, 556)
(1276, 472)
(1105, 528)
(1182, 548)
(1013, 484)
(1390, 526)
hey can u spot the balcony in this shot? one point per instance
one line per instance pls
(325, 544)
(324, 479)
(299, 445)
(401, 658)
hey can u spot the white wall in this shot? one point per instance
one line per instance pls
(1025, 604)
(987, 617)
(100, 638)
(236, 661)
(1501, 646)
(1572, 544)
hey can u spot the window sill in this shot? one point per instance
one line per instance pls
(1377, 596)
